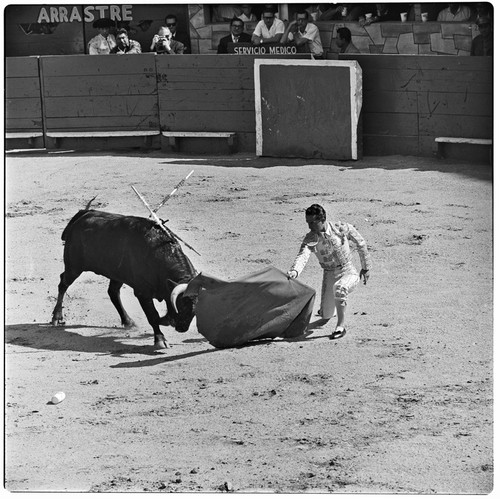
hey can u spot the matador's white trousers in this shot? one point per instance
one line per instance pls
(337, 284)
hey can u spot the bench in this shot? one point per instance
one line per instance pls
(24, 135)
(173, 136)
(441, 141)
(147, 134)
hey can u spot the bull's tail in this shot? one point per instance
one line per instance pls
(75, 218)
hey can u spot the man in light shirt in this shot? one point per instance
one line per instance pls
(304, 34)
(455, 13)
(269, 29)
(104, 42)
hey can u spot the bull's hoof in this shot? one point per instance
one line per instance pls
(161, 345)
(128, 324)
(58, 322)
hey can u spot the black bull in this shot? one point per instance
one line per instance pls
(134, 251)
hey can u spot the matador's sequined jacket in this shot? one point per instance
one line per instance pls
(332, 249)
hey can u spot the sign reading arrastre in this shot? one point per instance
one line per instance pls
(68, 14)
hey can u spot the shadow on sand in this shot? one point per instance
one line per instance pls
(40, 336)
(43, 336)
(482, 171)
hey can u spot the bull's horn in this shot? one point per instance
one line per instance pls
(180, 288)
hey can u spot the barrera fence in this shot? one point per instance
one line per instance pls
(407, 101)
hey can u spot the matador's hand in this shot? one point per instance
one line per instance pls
(292, 274)
(365, 274)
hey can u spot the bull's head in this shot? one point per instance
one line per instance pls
(183, 306)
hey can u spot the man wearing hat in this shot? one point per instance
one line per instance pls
(483, 43)
(104, 42)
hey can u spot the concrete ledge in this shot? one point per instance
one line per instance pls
(23, 135)
(462, 142)
(31, 136)
(173, 136)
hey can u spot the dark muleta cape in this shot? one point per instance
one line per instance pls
(265, 304)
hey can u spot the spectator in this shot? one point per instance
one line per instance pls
(163, 43)
(171, 24)
(483, 43)
(269, 29)
(342, 12)
(104, 41)
(381, 12)
(455, 12)
(225, 12)
(247, 15)
(344, 42)
(315, 10)
(304, 34)
(237, 35)
(432, 10)
(483, 9)
(124, 45)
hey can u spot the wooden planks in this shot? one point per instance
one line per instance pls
(98, 65)
(23, 101)
(206, 93)
(413, 99)
(84, 93)
(210, 121)
(407, 100)
(308, 109)
(105, 85)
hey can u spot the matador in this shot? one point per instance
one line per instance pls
(330, 243)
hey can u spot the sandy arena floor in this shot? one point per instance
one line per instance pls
(402, 404)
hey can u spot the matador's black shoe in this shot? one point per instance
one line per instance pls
(336, 335)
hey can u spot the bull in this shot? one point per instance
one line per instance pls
(134, 251)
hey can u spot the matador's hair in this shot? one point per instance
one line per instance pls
(318, 211)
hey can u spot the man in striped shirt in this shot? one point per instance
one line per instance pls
(330, 243)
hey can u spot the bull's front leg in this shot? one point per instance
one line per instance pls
(154, 321)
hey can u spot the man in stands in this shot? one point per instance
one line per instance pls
(269, 29)
(304, 34)
(455, 12)
(163, 43)
(124, 45)
(104, 41)
(483, 43)
(237, 36)
(171, 24)
(344, 42)
(247, 15)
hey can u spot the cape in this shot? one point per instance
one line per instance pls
(264, 304)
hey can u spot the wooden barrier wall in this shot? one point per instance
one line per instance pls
(23, 99)
(408, 101)
(100, 92)
(212, 93)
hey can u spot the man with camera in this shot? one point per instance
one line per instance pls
(163, 43)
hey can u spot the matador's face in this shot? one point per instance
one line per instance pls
(315, 224)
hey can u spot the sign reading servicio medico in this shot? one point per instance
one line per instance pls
(271, 48)
(69, 14)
